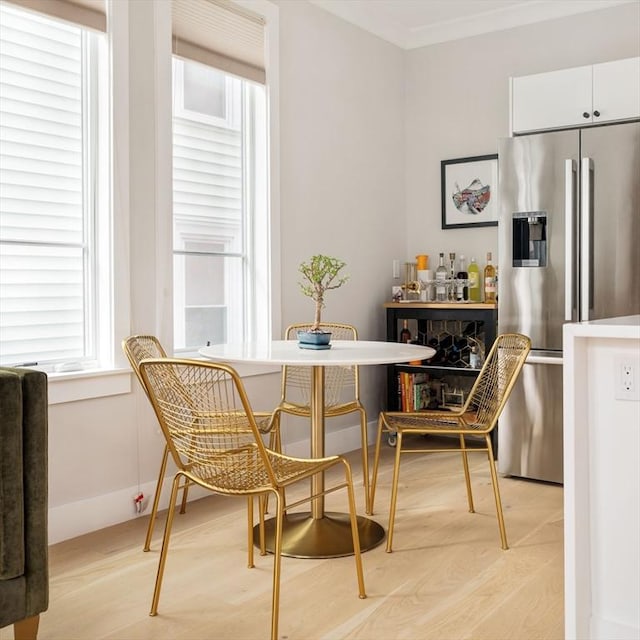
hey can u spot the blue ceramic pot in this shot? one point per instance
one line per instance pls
(314, 339)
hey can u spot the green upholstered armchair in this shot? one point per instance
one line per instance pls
(24, 574)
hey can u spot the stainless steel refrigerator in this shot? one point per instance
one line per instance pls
(568, 251)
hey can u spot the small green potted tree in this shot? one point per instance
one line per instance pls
(321, 274)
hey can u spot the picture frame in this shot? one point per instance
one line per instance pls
(469, 191)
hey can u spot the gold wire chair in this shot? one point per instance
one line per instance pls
(478, 417)
(215, 443)
(138, 348)
(341, 390)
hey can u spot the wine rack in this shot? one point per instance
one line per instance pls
(461, 334)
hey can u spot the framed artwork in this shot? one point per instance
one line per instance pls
(469, 192)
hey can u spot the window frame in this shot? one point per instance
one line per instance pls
(248, 108)
(94, 239)
(114, 290)
(70, 387)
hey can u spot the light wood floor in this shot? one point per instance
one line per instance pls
(447, 578)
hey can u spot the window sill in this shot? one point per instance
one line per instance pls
(101, 383)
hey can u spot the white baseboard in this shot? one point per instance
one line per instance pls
(84, 516)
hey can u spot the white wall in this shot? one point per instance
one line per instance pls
(457, 105)
(342, 192)
(363, 126)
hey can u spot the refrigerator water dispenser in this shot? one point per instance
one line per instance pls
(530, 239)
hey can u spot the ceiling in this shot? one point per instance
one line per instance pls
(417, 23)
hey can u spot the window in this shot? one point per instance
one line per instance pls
(220, 237)
(54, 213)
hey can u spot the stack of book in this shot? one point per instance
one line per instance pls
(415, 391)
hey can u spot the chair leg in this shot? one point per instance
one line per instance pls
(365, 460)
(275, 432)
(183, 504)
(277, 561)
(467, 477)
(376, 460)
(354, 529)
(156, 499)
(26, 629)
(275, 443)
(262, 501)
(394, 492)
(165, 545)
(250, 530)
(496, 493)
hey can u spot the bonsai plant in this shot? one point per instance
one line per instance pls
(321, 274)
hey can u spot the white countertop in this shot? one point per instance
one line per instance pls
(342, 353)
(621, 327)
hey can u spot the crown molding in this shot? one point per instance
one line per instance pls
(360, 13)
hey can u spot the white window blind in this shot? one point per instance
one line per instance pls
(46, 193)
(208, 221)
(220, 210)
(220, 34)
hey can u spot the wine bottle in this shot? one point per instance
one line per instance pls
(405, 334)
(452, 277)
(473, 271)
(462, 289)
(474, 358)
(441, 281)
(489, 280)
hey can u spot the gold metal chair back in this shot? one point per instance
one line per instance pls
(143, 347)
(341, 390)
(341, 384)
(138, 348)
(215, 442)
(478, 417)
(493, 385)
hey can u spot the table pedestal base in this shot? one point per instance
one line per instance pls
(326, 537)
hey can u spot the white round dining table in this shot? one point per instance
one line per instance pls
(320, 534)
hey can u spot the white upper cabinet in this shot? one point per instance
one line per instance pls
(576, 97)
(616, 90)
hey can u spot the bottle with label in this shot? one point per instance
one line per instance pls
(452, 277)
(489, 281)
(441, 281)
(474, 358)
(405, 334)
(462, 289)
(475, 291)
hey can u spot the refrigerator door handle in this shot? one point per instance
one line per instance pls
(569, 217)
(544, 357)
(586, 204)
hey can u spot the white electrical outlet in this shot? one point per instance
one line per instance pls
(627, 382)
(396, 268)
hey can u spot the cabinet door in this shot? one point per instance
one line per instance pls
(616, 90)
(552, 100)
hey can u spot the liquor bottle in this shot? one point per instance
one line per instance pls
(475, 294)
(462, 289)
(489, 281)
(452, 277)
(441, 281)
(474, 358)
(405, 334)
